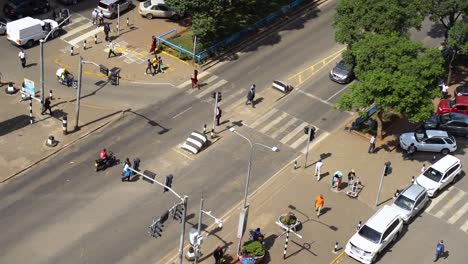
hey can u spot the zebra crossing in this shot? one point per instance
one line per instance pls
(275, 124)
(79, 29)
(451, 206)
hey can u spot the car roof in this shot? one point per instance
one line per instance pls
(457, 116)
(413, 191)
(108, 2)
(444, 163)
(436, 133)
(461, 100)
(155, 2)
(382, 218)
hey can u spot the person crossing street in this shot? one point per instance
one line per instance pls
(111, 49)
(318, 168)
(218, 115)
(319, 201)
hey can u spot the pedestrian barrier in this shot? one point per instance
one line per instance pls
(369, 112)
(195, 142)
(281, 86)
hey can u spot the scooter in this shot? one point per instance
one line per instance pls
(68, 82)
(101, 164)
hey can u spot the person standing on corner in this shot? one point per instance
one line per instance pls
(160, 65)
(94, 14)
(106, 31)
(149, 66)
(218, 115)
(218, 255)
(22, 56)
(47, 107)
(319, 201)
(318, 168)
(371, 145)
(251, 96)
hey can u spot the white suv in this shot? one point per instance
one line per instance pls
(439, 175)
(376, 234)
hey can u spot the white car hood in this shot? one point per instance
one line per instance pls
(427, 183)
(364, 244)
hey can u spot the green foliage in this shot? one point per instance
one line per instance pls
(205, 28)
(253, 248)
(396, 74)
(447, 12)
(209, 7)
(458, 37)
(355, 17)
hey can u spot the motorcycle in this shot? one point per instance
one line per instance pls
(101, 164)
(68, 81)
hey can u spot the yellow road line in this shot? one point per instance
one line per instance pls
(175, 57)
(334, 261)
(183, 154)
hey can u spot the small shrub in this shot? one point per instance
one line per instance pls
(253, 248)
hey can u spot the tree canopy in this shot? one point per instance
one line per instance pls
(448, 12)
(396, 74)
(355, 17)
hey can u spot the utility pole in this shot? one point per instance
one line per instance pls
(384, 173)
(182, 231)
(215, 109)
(118, 19)
(78, 94)
(194, 50)
(197, 245)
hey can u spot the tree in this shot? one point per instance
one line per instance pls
(457, 43)
(355, 17)
(395, 74)
(209, 7)
(447, 12)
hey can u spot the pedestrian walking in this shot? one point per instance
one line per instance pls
(319, 201)
(251, 96)
(94, 14)
(318, 168)
(410, 151)
(126, 173)
(106, 31)
(153, 44)
(160, 65)
(371, 145)
(155, 64)
(22, 56)
(218, 255)
(194, 79)
(218, 115)
(111, 49)
(100, 18)
(149, 66)
(351, 176)
(47, 107)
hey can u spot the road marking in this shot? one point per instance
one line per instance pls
(212, 88)
(76, 30)
(214, 77)
(337, 93)
(439, 198)
(458, 214)
(273, 123)
(238, 92)
(315, 97)
(263, 118)
(236, 103)
(334, 261)
(183, 154)
(464, 227)
(322, 136)
(293, 133)
(182, 85)
(182, 112)
(283, 128)
(299, 141)
(84, 36)
(450, 203)
(75, 20)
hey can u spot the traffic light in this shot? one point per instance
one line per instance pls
(213, 95)
(312, 132)
(168, 183)
(388, 168)
(178, 212)
(104, 70)
(164, 217)
(156, 229)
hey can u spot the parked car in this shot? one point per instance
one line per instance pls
(109, 7)
(375, 235)
(3, 22)
(454, 123)
(459, 104)
(429, 140)
(157, 8)
(68, 2)
(15, 9)
(411, 201)
(439, 175)
(342, 72)
(27, 30)
(461, 90)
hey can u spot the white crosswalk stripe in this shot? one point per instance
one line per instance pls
(273, 123)
(458, 214)
(264, 118)
(211, 88)
(436, 200)
(464, 227)
(452, 207)
(449, 204)
(283, 128)
(291, 135)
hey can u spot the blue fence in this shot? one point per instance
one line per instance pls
(369, 112)
(233, 38)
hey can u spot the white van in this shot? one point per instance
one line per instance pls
(27, 30)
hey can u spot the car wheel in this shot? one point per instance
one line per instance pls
(30, 43)
(395, 238)
(55, 34)
(436, 193)
(149, 16)
(445, 151)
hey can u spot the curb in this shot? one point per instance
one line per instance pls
(58, 150)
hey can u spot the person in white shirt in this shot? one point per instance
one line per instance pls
(318, 168)
(371, 145)
(445, 91)
(22, 56)
(111, 49)
(94, 14)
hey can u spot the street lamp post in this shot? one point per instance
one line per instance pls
(247, 181)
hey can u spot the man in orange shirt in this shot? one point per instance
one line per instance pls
(319, 201)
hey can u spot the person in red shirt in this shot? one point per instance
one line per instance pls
(103, 154)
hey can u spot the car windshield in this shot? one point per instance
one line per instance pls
(420, 136)
(146, 4)
(433, 174)
(404, 202)
(370, 234)
(342, 65)
(103, 5)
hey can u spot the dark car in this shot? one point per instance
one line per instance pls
(454, 123)
(342, 72)
(15, 9)
(68, 2)
(461, 90)
(3, 23)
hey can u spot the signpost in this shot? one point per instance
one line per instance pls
(29, 87)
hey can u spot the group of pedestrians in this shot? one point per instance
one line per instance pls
(154, 66)
(98, 17)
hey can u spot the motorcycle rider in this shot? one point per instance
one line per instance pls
(64, 75)
(103, 154)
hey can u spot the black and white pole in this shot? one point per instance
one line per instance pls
(335, 249)
(30, 111)
(64, 125)
(358, 226)
(51, 97)
(95, 39)
(204, 129)
(307, 148)
(286, 244)
(128, 22)
(118, 19)
(295, 164)
(84, 44)
(71, 51)
(412, 179)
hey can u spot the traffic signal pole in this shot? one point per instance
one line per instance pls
(215, 108)
(307, 149)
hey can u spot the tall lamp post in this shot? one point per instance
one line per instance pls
(242, 220)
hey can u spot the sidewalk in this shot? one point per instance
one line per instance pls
(295, 190)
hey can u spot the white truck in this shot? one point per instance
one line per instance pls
(27, 30)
